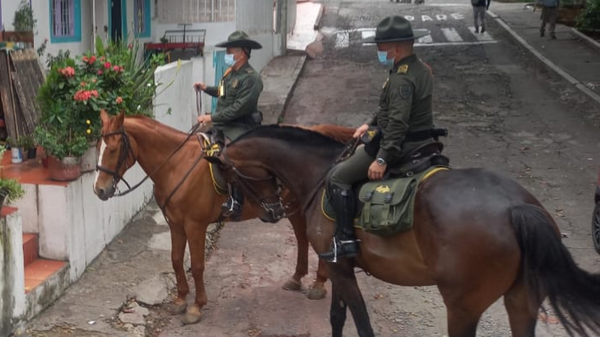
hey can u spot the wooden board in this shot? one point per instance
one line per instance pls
(7, 96)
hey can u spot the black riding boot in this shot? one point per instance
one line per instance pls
(345, 243)
(232, 208)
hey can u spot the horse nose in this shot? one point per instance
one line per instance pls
(101, 193)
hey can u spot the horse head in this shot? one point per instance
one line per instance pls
(258, 184)
(116, 155)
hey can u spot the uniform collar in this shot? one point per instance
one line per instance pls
(405, 60)
(242, 68)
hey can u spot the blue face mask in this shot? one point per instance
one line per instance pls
(383, 59)
(229, 61)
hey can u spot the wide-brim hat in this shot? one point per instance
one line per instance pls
(239, 39)
(394, 29)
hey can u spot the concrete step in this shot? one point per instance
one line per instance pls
(40, 271)
(30, 248)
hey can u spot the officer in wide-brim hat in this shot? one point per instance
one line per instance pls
(404, 119)
(237, 105)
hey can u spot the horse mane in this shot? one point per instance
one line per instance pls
(154, 124)
(299, 136)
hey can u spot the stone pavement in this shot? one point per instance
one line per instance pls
(571, 55)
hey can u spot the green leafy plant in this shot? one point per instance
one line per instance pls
(11, 189)
(589, 18)
(24, 20)
(26, 142)
(76, 90)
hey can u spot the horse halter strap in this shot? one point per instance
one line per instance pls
(125, 152)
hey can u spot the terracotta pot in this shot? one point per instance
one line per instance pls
(89, 158)
(67, 169)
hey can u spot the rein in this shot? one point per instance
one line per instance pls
(242, 178)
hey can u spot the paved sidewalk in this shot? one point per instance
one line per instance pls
(574, 58)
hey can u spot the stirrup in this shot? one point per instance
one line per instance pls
(231, 208)
(340, 250)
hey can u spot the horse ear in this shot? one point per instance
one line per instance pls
(104, 117)
(214, 160)
(119, 119)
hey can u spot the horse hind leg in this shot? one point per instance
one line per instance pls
(522, 310)
(294, 283)
(317, 291)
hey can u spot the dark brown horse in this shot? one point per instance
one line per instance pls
(477, 235)
(167, 155)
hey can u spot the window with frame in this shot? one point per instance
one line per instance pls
(65, 20)
(141, 22)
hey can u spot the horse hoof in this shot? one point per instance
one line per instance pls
(316, 294)
(192, 316)
(178, 308)
(292, 285)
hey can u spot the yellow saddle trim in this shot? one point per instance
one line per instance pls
(432, 172)
(211, 150)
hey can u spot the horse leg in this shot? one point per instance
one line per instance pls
(299, 225)
(178, 242)
(318, 291)
(347, 293)
(197, 241)
(522, 310)
(337, 312)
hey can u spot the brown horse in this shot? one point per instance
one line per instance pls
(478, 236)
(167, 156)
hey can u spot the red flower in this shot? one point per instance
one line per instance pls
(82, 95)
(107, 65)
(102, 58)
(92, 59)
(121, 69)
(116, 68)
(94, 93)
(67, 72)
(83, 84)
(85, 59)
(119, 100)
(99, 72)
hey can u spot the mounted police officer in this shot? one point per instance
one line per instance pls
(238, 93)
(404, 119)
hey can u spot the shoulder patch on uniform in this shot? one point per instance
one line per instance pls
(405, 91)
(402, 69)
(250, 71)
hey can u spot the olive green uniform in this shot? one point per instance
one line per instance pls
(405, 106)
(238, 95)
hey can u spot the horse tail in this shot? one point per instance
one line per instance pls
(549, 269)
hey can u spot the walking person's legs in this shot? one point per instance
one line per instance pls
(544, 20)
(552, 17)
(475, 19)
(482, 18)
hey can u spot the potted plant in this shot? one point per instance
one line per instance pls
(27, 144)
(16, 151)
(24, 22)
(76, 90)
(10, 189)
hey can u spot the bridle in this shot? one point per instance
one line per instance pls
(243, 180)
(126, 151)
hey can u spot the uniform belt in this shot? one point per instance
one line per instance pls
(419, 136)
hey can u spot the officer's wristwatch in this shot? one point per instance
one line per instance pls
(380, 161)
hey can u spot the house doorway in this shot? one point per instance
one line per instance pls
(116, 22)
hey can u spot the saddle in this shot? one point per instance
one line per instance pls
(212, 141)
(386, 206)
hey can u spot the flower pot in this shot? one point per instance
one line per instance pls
(89, 158)
(67, 169)
(32, 153)
(16, 155)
